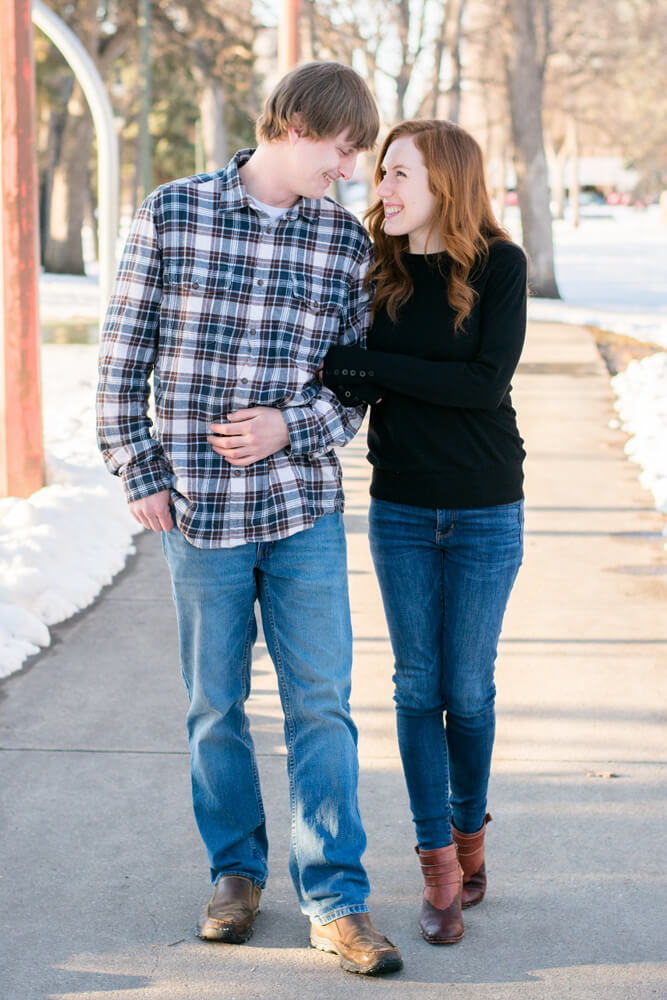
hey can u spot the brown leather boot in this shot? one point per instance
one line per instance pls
(470, 852)
(358, 943)
(441, 920)
(230, 913)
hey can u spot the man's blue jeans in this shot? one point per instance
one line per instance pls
(301, 585)
(445, 578)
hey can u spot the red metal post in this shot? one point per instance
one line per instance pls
(21, 444)
(289, 36)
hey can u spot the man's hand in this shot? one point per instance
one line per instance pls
(249, 435)
(153, 511)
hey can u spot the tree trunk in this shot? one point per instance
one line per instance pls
(455, 60)
(211, 113)
(438, 55)
(402, 82)
(558, 164)
(63, 253)
(213, 131)
(524, 67)
(502, 190)
(56, 127)
(574, 184)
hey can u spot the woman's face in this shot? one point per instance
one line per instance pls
(409, 203)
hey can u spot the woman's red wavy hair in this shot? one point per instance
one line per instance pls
(464, 218)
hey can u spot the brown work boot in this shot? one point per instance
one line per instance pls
(359, 944)
(440, 919)
(470, 852)
(231, 910)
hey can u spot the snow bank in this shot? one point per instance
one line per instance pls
(647, 327)
(59, 547)
(642, 407)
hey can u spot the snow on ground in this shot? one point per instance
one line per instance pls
(63, 544)
(611, 272)
(641, 404)
(68, 298)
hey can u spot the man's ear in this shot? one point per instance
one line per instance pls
(295, 129)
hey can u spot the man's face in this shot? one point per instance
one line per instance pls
(317, 163)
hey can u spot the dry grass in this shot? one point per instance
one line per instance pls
(618, 351)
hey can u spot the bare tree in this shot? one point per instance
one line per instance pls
(447, 43)
(526, 37)
(217, 37)
(395, 42)
(66, 187)
(606, 85)
(202, 51)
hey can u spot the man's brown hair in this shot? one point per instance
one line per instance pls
(323, 99)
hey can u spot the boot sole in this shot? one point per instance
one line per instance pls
(432, 940)
(382, 965)
(472, 902)
(224, 935)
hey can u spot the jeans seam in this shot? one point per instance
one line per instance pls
(247, 653)
(280, 671)
(443, 693)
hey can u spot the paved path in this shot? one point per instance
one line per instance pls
(103, 873)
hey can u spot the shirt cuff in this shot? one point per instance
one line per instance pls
(303, 430)
(143, 479)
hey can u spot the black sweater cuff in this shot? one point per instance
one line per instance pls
(348, 366)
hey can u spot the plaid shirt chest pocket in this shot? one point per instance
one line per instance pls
(190, 312)
(319, 305)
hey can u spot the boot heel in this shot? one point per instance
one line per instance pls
(470, 852)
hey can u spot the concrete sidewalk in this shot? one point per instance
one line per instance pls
(103, 871)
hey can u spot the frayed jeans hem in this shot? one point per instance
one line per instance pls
(251, 878)
(342, 911)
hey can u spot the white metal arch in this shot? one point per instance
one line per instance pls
(95, 93)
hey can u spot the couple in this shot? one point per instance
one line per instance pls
(248, 295)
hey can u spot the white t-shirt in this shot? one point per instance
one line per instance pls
(273, 211)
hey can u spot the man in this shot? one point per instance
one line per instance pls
(232, 287)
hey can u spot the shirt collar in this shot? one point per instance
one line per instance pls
(233, 194)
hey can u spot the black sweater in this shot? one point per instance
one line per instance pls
(444, 434)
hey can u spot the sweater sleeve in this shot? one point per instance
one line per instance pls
(481, 383)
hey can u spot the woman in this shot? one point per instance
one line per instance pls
(446, 515)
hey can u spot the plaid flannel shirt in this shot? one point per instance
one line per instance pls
(228, 309)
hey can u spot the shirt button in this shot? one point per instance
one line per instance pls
(237, 472)
(269, 229)
(244, 381)
(195, 284)
(260, 281)
(253, 332)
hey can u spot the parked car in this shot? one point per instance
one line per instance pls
(591, 196)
